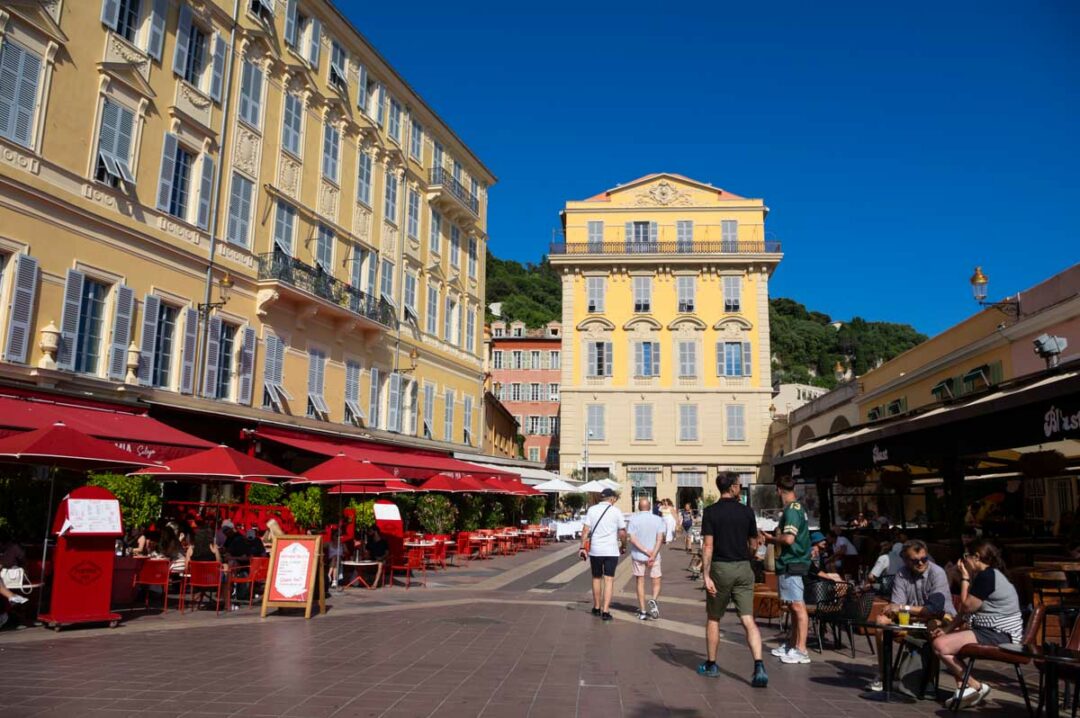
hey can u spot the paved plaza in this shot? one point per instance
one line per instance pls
(511, 636)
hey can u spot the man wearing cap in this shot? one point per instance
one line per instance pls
(602, 536)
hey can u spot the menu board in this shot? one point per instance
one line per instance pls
(291, 575)
(93, 516)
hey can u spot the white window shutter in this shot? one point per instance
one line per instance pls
(110, 13)
(247, 367)
(21, 308)
(157, 28)
(206, 188)
(123, 314)
(183, 37)
(746, 359)
(69, 319)
(213, 352)
(150, 311)
(316, 40)
(168, 168)
(187, 358)
(217, 74)
(290, 22)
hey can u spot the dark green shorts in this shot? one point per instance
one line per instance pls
(734, 581)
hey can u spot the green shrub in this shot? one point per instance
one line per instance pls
(435, 513)
(264, 495)
(139, 497)
(307, 507)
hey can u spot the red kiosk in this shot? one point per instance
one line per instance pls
(87, 525)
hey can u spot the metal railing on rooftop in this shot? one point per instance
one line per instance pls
(315, 281)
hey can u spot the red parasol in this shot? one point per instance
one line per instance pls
(343, 470)
(221, 463)
(381, 487)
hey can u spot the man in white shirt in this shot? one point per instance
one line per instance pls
(646, 532)
(602, 536)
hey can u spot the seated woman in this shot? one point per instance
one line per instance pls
(992, 617)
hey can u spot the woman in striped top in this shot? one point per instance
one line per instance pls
(991, 616)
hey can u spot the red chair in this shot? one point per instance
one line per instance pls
(206, 576)
(411, 561)
(155, 572)
(258, 567)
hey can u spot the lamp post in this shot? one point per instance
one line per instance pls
(979, 289)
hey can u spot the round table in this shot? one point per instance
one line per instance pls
(886, 695)
(1052, 656)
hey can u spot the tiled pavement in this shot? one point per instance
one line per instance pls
(480, 643)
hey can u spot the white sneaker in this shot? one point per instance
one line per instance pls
(654, 609)
(794, 655)
(780, 651)
(17, 600)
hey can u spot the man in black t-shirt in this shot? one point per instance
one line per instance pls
(729, 534)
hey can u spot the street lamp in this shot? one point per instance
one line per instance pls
(979, 288)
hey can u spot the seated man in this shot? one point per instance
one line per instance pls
(920, 589)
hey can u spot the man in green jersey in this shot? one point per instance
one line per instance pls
(793, 538)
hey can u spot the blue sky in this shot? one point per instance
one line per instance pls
(897, 144)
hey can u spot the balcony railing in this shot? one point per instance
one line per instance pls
(313, 280)
(444, 177)
(760, 247)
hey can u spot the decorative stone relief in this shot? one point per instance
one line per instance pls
(119, 50)
(289, 176)
(362, 222)
(247, 152)
(328, 200)
(663, 194)
(22, 160)
(178, 230)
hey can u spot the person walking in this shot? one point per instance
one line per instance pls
(602, 535)
(730, 535)
(793, 537)
(646, 533)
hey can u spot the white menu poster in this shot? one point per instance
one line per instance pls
(93, 516)
(292, 570)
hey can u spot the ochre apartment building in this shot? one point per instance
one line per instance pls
(665, 347)
(240, 209)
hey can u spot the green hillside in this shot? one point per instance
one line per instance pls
(805, 344)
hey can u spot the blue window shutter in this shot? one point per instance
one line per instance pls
(187, 358)
(69, 319)
(316, 39)
(151, 308)
(247, 366)
(183, 37)
(123, 314)
(110, 13)
(168, 169)
(213, 350)
(746, 359)
(157, 28)
(25, 273)
(206, 187)
(218, 73)
(290, 22)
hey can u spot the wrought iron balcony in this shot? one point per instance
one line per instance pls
(306, 283)
(443, 181)
(687, 247)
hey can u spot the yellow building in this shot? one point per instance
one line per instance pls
(666, 360)
(151, 148)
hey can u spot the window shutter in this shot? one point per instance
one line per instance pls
(290, 22)
(218, 71)
(21, 308)
(183, 37)
(247, 367)
(213, 351)
(206, 188)
(316, 38)
(151, 308)
(746, 359)
(69, 319)
(607, 358)
(653, 232)
(168, 168)
(110, 13)
(157, 28)
(123, 313)
(187, 359)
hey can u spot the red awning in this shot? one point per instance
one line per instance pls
(403, 463)
(130, 429)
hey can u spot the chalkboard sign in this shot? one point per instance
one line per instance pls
(295, 563)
